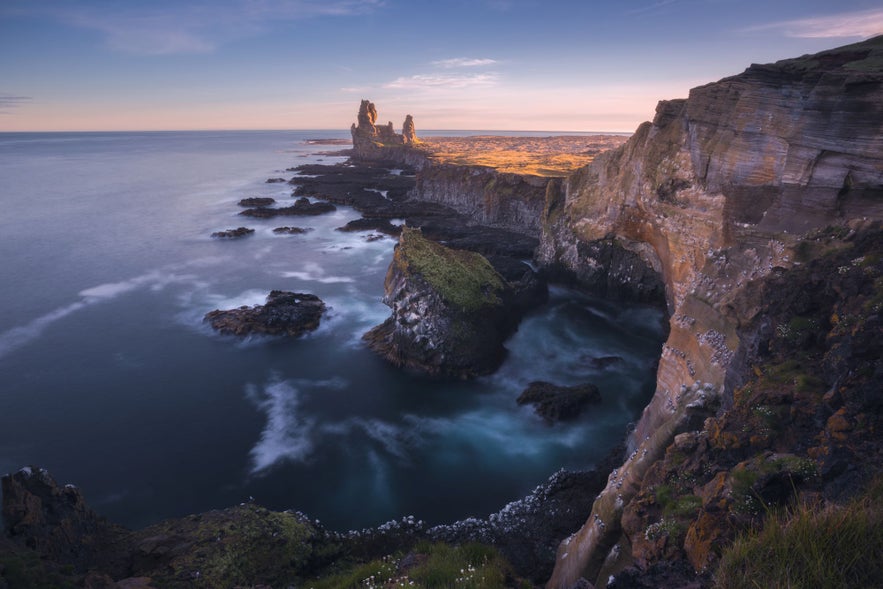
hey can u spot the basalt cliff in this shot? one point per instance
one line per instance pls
(737, 197)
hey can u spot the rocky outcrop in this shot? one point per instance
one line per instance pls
(55, 521)
(372, 141)
(257, 201)
(713, 196)
(302, 207)
(233, 233)
(285, 313)
(451, 310)
(558, 403)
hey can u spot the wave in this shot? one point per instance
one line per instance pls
(313, 272)
(287, 435)
(156, 280)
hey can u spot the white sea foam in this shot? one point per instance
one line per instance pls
(313, 272)
(287, 435)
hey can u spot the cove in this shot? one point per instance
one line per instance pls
(112, 380)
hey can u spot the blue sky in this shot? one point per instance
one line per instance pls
(567, 65)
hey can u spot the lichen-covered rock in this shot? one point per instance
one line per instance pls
(450, 310)
(285, 313)
(558, 403)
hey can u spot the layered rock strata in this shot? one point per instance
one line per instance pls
(713, 196)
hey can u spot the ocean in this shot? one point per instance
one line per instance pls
(110, 379)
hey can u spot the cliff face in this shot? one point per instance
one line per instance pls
(714, 195)
(511, 201)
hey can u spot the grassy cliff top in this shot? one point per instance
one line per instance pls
(462, 278)
(538, 156)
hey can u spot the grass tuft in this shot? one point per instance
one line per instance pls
(810, 546)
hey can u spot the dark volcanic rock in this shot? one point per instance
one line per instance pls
(381, 225)
(285, 313)
(558, 403)
(233, 233)
(301, 207)
(275, 180)
(257, 201)
(292, 230)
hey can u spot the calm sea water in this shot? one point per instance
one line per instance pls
(110, 379)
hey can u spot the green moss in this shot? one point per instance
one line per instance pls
(240, 546)
(464, 279)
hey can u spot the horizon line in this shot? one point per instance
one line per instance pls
(336, 130)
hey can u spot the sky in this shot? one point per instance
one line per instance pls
(543, 65)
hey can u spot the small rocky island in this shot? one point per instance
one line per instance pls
(451, 310)
(285, 313)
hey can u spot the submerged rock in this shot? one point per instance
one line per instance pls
(558, 403)
(291, 230)
(301, 206)
(275, 180)
(451, 310)
(285, 313)
(257, 201)
(233, 233)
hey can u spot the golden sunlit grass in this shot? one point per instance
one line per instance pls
(538, 156)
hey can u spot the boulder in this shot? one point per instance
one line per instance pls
(558, 403)
(285, 313)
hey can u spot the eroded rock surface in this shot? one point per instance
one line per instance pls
(285, 313)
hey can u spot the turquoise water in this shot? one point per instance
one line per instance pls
(111, 380)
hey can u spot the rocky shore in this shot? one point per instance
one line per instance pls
(753, 210)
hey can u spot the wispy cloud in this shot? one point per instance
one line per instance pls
(863, 24)
(458, 62)
(10, 102)
(654, 7)
(195, 28)
(454, 81)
